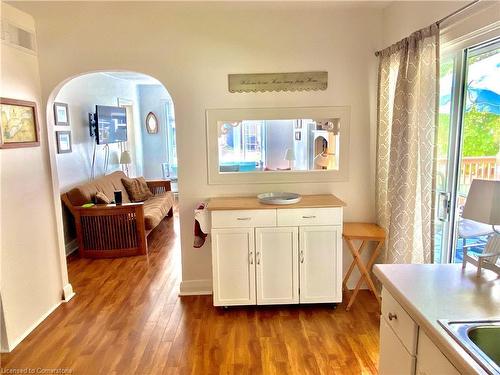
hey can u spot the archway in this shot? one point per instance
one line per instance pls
(76, 156)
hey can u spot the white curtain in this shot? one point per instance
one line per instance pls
(407, 103)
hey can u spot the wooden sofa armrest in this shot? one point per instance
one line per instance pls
(159, 186)
(105, 231)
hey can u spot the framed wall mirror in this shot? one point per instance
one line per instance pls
(266, 145)
(151, 123)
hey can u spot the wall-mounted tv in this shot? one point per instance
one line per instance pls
(111, 124)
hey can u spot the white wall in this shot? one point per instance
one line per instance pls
(191, 47)
(401, 18)
(32, 277)
(153, 98)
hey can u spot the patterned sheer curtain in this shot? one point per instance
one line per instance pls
(407, 102)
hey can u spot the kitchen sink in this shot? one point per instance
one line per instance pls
(480, 338)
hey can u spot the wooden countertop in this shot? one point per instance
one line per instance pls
(252, 203)
(429, 292)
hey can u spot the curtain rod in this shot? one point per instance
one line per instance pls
(458, 11)
(453, 14)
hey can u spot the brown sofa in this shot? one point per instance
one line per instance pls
(108, 231)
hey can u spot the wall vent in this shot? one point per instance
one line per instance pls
(18, 37)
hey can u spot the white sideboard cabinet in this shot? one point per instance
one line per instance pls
(268, 255)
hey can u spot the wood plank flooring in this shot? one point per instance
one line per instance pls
(128, 319)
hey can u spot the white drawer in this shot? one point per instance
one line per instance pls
(244, 218)
(309, 216)
(398, 319)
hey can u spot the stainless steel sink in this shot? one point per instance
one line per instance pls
(480, 338)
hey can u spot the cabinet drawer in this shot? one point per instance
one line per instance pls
(243, 218)
(394, 359)
(309, 216)
(399, 320)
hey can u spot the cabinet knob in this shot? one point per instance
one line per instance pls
(250, 257)
(258, 257)
(392, 316)
(301, 256)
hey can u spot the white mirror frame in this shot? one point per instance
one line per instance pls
(215, 115)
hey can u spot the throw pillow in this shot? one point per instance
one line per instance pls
(137, 189)
(101, 198)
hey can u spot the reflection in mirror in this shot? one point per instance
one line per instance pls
(278, 145)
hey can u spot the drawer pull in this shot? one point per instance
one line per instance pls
(392, 316)
(250, 257)
(309, 217)
(243, 218)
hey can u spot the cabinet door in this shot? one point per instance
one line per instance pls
(233, 266)
(320, 264)
(430, 360)
(394, 358)
(277, 265)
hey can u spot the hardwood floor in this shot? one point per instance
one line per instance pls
(127, 319)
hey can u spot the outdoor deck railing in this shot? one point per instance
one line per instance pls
(484, 167)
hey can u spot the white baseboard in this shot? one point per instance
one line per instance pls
(17, 341)
(195, 287)
(68, 292)
(71, 247)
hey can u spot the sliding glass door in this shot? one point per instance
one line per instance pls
(468, 144)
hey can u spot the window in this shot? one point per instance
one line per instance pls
(468, 144)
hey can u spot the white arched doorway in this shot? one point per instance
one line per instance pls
(74, 153)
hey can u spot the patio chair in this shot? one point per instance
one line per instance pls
(489, 259)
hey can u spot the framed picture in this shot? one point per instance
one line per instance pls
(61, 114)
(18, 124)
(298, 136)
(63, 139)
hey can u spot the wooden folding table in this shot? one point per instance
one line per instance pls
(364, 232)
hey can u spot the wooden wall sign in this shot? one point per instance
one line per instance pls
(298, 81)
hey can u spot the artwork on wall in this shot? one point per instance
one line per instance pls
(19, 124)
(63, 139)
(296, 81)
(61, 114)
(151, 123)
(298, 136)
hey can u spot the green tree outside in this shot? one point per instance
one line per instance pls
(481, 135)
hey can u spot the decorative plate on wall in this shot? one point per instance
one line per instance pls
(151, 123)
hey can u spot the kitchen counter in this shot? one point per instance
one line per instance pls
(252, 203)
(429, 292)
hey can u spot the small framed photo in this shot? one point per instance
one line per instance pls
(298, 136)
(63, 139)
(61, 114)
(18, 124)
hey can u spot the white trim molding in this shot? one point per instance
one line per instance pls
(195, 287)
(11, 345)
(68, 292)
(479, 25)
